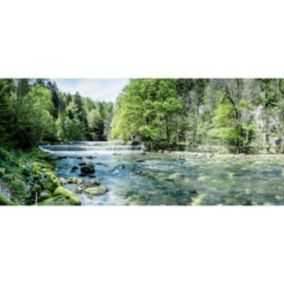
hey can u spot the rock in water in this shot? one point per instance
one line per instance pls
(87, 169)
(95, 191)
(74, 168)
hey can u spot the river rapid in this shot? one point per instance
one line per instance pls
(134, 177)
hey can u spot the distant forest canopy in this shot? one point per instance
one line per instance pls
(243, 115)
(240, 115)
(34, 111)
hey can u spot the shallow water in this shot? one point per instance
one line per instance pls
(163, 179)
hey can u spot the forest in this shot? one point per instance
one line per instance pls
(35, 111)
(220, 116)
(242, 115)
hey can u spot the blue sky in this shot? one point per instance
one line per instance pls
(96, 89)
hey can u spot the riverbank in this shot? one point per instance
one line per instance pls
(188, 154)
(29, 178)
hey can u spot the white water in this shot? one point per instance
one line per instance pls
(90, 148)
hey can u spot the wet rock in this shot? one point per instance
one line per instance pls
(90, 157)
(87, 169)
(82, 164)
(74, 168)
(91, 183)
(140, 161)
(95, 191)
(72, 180)
(143, 153)
(62, 157)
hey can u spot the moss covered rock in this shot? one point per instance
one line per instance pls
(55, 201)
(72, 180)
(70, 196)
(50, 181)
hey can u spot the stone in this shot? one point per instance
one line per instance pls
(91, 183)
(62, 157)
(54, 201)
(87, 169)
(95, 191)
(70, 196)
(50, 181)
(74, 168)
(74, 180)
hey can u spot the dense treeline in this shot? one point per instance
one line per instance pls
(35, 111)
(243, 115)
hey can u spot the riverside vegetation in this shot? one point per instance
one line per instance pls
(238, 116)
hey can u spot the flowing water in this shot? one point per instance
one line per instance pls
(134, 177)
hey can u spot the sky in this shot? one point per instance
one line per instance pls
(96, 89)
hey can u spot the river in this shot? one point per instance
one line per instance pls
(137, 178)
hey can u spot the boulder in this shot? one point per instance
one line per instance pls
(87, 169)
(95, 191)
(50, 181)
(55, 200)
(70, 196)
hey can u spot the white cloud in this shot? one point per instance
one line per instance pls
(96, 89)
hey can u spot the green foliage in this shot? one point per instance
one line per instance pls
(147, 111)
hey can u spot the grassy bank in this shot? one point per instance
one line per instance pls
(29, 178)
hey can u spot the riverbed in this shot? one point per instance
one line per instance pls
(180, 178)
